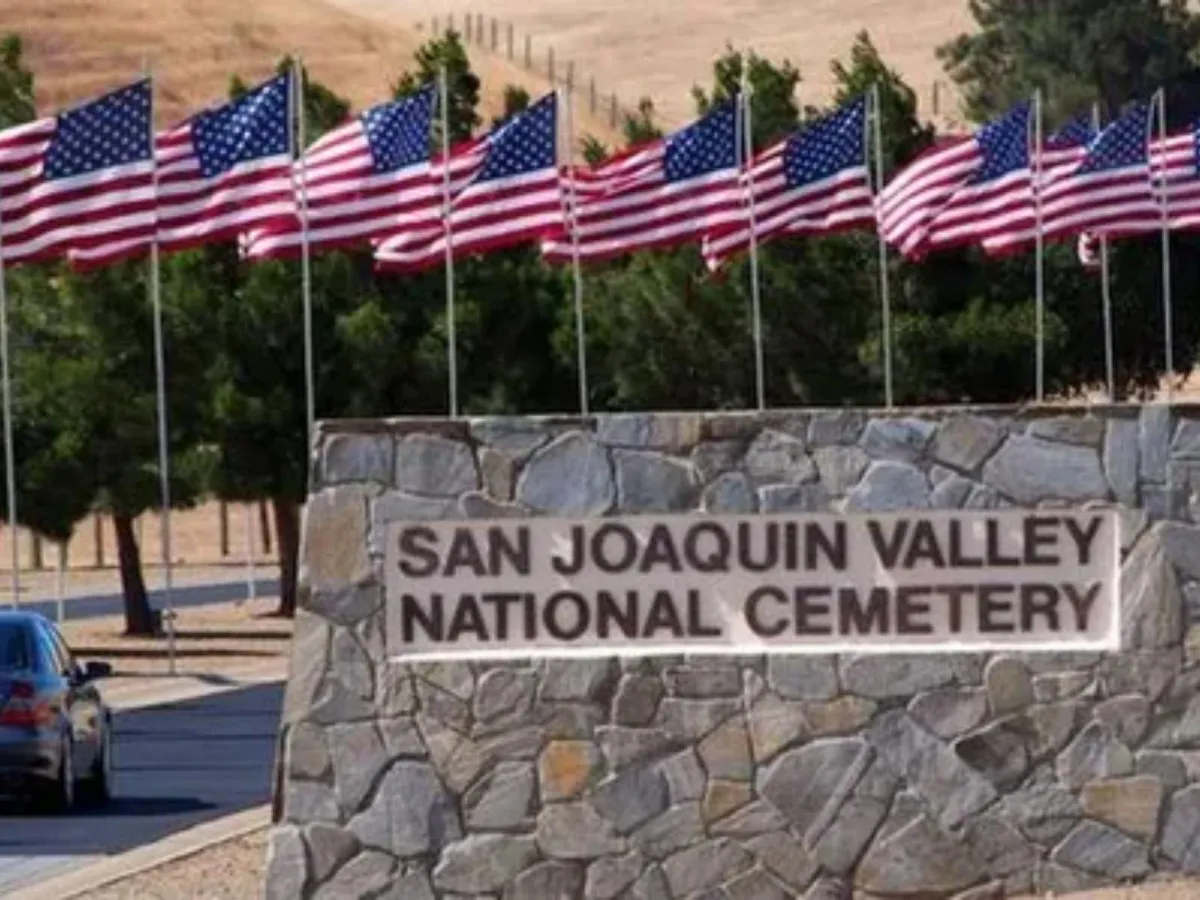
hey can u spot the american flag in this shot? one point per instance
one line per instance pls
(671, 191)
(366, 178)
(227, 169)
(910, 202)
(504, 191)
(1179, 156)
(997, 207)
(79, 184)
(1110, 190)
(815, 181)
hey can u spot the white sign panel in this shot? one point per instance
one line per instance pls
(867, 583)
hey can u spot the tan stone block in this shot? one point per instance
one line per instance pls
(723, 797)
(567, 768)
(1130, 804)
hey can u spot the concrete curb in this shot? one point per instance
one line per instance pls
(149, 856)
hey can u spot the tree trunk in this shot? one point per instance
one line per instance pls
(138, 618)
(287, 539)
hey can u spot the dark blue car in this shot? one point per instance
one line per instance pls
(56, 741)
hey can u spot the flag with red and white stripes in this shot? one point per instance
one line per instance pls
(1110, 191)
(367, 178)
(79, 184)
(504, 191)
(997, 209)
(663, 194)
(227, 169)
(815, 181)
(909, 203)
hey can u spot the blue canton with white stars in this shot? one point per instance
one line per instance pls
(398, 133)
(1004, 145)
(829, 145)
(1121, 144)
(252, 127)
(111, 131)
(707, 145)
(525, 143)
(1076, 133)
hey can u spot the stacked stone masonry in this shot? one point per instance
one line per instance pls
(743, 777)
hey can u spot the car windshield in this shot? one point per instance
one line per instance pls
(14, 649)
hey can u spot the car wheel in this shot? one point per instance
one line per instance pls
(59, 796)
(100, 780)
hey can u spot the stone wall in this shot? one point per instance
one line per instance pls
(742, 777)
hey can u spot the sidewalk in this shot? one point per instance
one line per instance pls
(135, 691)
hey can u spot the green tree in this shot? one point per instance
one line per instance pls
(16, 83)
(462, 84)
(774, 112)
(1076, 51)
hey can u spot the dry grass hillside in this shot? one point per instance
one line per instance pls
(78, 48)
(660, 48)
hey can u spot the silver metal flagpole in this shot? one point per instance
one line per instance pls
(451, 336)
(160, 377)
(1164, 204)
(874, 124)
(310, 391)
(576, 271)
(747, 148)
(1110, 377)
(1039, 263)
(10, 470)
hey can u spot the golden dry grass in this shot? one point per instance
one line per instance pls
(659, 49)
(79, 48)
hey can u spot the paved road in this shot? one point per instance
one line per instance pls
(177, 765)
(90, 606)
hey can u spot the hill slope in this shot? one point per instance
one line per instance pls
(660, 48)
(79, 48)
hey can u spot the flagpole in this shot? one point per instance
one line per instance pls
(310, 391)
(10, 471)
(1106, 295)
(160, 377)
(875, 123)
(451, 337)
(1039, 263)
(747, 149)
(576, 272)
(1164, 205)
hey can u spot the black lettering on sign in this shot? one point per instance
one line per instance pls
(924, 547)
(954, 594)
(992, 604)
(663, 614)
(959, 559)
(618, 554)
(500, 603)
(753, 614)
(1041, 531)
(660, 551)
(820, 543)
(995, 556)
(464, 554)
(1039, 600)
(887, 547)
(417, 558)
(770, 556)
(1082, 602)
(609, 611)
(502, 551)
(854, 617)
(1084, 537)
(467, 619)
(568, 606)
(578, 556)
(912, 611)
(706, 547)
(695, 617)
(413, 615)
(807, 612)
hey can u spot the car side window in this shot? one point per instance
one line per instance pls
(64, 652)
(47, 651)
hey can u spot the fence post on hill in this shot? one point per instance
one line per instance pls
(612, 112)
(592, 95)
(479, 29)
(550, 64)
(528, 52)
(509, 39)
(495, 33)
(9, 452)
